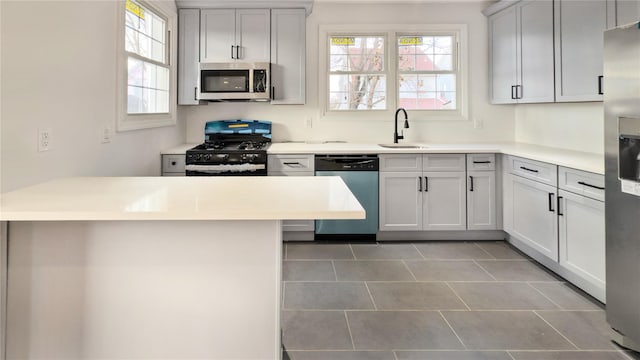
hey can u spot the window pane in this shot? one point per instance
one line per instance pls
(446, 100)
(144, 32)
(443, 45)
(148, 90)
(136, 72)
(443, 62)
(134, 100)
(356, 53)
(357, 92)
(446, 82)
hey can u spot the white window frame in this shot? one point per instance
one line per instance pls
(126, 121)
(392, 32)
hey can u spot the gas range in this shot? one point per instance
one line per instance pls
(231, 148)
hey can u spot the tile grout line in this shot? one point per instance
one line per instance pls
(409, 270)
(353, 253)
(510, 355)
(488, 253)
(558, 331)
(456, 293)
(335, 273)
(375, 307)
(418, 250)
(454, 332)
(346, 318)
(485, 270)
(548, 298)
(624, 354)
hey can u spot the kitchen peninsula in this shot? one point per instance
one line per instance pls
(149, 267)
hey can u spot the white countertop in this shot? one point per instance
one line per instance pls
(178, 150)
(574, 159)
(182, 198)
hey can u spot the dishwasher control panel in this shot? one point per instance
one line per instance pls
(347, 163)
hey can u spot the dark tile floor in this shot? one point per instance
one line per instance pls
(435, 301)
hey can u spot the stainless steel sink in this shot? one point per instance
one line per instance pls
(403, 146)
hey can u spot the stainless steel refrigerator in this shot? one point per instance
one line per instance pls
(622, 173)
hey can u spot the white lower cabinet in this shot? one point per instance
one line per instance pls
(534, 220)
(481, 200)
(444, 201)
(293, 165)
(422, 200)
(560, 224)
(400, 205)
(582, 241)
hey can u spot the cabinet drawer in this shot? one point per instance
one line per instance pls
(400, 162)
(173, 163)
(290, 163)
(534, 170)
(481, 162)
(443, 162)
(581, 182)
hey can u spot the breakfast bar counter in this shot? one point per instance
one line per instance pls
(153, 267)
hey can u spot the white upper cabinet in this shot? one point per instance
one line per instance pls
(228, 35)
(536, 52)
(288, 56)
(579, 45)
(521, 53)
(627, 12)
(188, 56)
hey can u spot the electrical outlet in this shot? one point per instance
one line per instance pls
(106, 134)
(477, 123)
(44, 139)
(309, 123)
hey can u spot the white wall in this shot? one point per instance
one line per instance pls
(574, 126)
(58, 72)
(289, 120)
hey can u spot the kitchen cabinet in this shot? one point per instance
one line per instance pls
(188, 56)
(293, 165)
(579, 49)
(581, 229)
(228, 35)
(288, 56)
(522, 54)
(422, 192)
(530, 204)
(481, 192)
(533, 215)
(173, 165)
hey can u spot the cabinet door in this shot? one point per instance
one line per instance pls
(627, 12)
(217, 35)
(535, 22)
(503, 54)
(534, 215)
(582, 240)
(400, 201)
(579, 44)
(481, 200)
(188, 56)
(444, 204)
(253, 35)
(288, 56)
(294, 225)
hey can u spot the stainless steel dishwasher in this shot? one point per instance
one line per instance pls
(360, 173)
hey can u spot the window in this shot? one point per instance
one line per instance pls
(421, 68)
(146, 68)
(357, 78)
(427, 72)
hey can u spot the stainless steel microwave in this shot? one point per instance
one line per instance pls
(234, 81)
